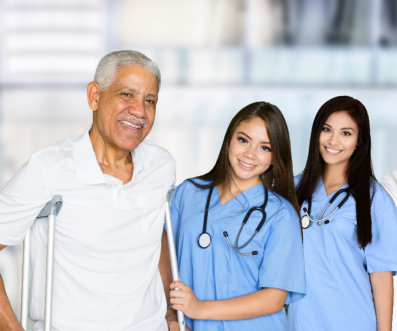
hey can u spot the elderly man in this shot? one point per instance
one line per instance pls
(109, 233)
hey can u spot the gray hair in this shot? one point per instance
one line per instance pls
(110, 63)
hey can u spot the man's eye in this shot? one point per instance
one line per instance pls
(126, 94)
(150, 101)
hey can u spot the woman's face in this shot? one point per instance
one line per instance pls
(338, 139)
(250, 153)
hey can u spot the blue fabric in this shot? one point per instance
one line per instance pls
(219, 272)
(339, 295)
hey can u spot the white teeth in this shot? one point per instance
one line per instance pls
(131, 125)
(246, 164)
(332, 150)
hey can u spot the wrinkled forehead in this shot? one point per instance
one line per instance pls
(135, 75)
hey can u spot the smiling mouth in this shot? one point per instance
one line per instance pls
(132, 125)
(247, 165)
(332, 151)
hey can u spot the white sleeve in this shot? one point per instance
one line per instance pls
(21, 200)
(389, 182)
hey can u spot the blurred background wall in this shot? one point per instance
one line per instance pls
(216, 56)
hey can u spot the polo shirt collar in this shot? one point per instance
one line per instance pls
(138, 159)
(87, 167)
(85, 161)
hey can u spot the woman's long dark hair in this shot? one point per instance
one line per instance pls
(281, 169)
(359, 172)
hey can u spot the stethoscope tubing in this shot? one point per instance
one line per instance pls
(204, 239)
(321, 220)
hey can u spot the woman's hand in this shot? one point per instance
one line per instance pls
(262, 302)
(182, 298)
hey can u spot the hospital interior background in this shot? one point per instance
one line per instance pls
(216, 56)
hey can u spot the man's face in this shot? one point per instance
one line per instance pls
(124, 113)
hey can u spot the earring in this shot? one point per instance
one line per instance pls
(273, 183)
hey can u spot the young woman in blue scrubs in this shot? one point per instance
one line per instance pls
(351, 255)
(232, 278)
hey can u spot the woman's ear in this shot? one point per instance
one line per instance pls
(93, 93)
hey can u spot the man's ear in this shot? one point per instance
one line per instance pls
(93, 92)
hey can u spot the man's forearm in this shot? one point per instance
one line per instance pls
(8, 320)
(166, 275)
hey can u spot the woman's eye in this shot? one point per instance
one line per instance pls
(266, 148)
(346, 133)
(325, 129)
(242, 140)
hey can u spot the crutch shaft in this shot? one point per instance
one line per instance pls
(50, 272)
(25, 282)
(49, 211)
(173, 260)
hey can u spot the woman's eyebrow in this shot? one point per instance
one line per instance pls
(246, 135)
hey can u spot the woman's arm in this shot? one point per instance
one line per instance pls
(382, 290)
(263, 302)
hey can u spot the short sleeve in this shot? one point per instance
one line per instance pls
(389, 182)
(283, 263)
(381, 253)
(21, 200)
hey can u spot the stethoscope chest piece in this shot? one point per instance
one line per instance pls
(305, 221)
(204, 240)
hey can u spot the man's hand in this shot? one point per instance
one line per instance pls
(172, 321)
(173, 326)
(8, 320)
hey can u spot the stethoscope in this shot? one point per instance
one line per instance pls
(204, 239)
(306, 219)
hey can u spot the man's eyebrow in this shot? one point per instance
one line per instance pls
(133, 90)
(129, 89)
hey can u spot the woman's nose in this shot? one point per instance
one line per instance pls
(333, 139)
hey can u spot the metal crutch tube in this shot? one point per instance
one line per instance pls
(50, 211)
(25, 282)
(172, 250)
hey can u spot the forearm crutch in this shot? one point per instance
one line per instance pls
(50, 211)
(173, 259)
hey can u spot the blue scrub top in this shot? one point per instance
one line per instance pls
(339, 295)
(219, 272)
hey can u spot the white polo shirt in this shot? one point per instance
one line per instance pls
(389, 182)
(107, 237)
